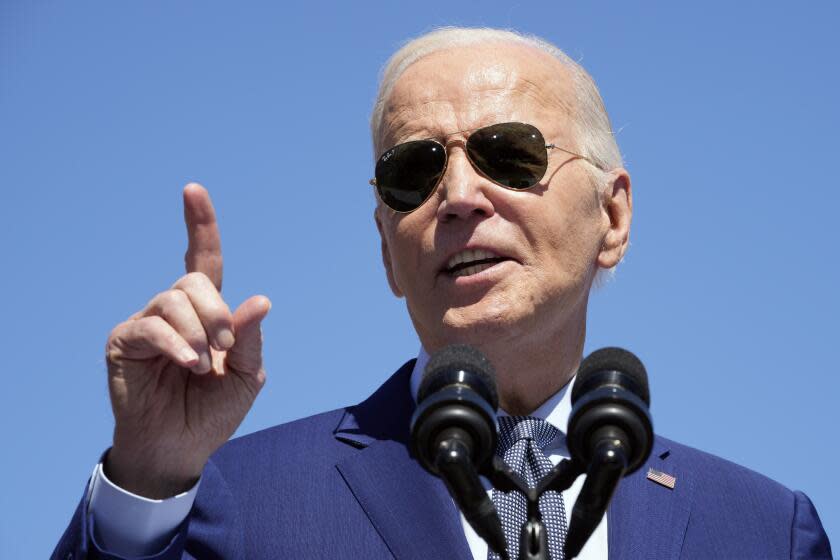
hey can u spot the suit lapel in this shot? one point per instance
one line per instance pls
(417, 519)
(409, 508)
(646, 519)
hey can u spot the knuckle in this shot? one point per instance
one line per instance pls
(215, 261)
(156, 300)
(224, 316)
(148, 327)
(112, 342)
(172, 339)
(125, 330)
(196, 279)
(115, 333)
(196, 337)
(172, 298)
(159, 303)
(216, 313)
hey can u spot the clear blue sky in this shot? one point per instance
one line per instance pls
(727, 114)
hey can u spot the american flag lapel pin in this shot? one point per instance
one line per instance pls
(659, 477)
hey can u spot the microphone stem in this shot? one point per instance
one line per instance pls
(609, 461)
(454, 463)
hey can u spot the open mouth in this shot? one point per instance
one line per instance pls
(469, 262)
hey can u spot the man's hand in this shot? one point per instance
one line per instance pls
(184, 371)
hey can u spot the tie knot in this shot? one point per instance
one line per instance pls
(515, 428)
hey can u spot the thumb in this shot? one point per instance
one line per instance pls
(245, 356)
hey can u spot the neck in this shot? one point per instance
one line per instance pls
(529, 369)
(528, 374)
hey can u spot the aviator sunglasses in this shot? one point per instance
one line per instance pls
(512, 154)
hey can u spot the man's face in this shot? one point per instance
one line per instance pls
(550, 236)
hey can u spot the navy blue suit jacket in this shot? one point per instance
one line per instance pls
(343, 485)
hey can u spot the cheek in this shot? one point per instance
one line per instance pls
(407, 248)
(570, 239)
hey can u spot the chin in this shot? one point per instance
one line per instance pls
(477, 326)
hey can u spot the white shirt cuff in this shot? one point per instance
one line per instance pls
(129, 525)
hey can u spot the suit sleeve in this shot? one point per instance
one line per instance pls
(78, 541)
(211, 530)
(808, 538)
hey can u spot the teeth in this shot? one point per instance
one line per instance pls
(470, 270)
(469, 256)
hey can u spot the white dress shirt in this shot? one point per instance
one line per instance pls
(133, 526)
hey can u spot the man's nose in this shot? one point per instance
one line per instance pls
(463, 190)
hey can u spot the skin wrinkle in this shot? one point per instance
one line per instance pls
(530, 320)
(404, 117)
(396, 117)
(546, 73)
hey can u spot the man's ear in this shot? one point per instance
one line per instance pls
(386, 255)
(617, 204)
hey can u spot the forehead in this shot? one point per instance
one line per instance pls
(467, 87)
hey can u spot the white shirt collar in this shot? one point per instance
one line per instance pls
(555, 410)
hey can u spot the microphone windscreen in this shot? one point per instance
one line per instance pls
(616, 360)
(450, 360)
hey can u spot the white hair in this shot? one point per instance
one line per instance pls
(592, 132)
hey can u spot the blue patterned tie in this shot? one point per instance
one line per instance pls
(521, 443)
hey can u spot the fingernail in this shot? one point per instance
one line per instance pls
(203, 365)
(225, 339)
(188, 355)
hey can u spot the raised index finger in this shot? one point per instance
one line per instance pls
(204, 251)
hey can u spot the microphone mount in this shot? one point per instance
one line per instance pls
(609, 435)
(533, 539)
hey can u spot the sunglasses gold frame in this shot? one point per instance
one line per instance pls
(445, 146)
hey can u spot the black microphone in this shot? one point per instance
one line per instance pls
(610, 430)
(453, 433)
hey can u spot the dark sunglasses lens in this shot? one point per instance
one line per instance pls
(408, 173)
(512, 154)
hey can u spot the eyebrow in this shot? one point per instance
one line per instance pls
(425, 133)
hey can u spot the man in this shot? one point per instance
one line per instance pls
(500, 198)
